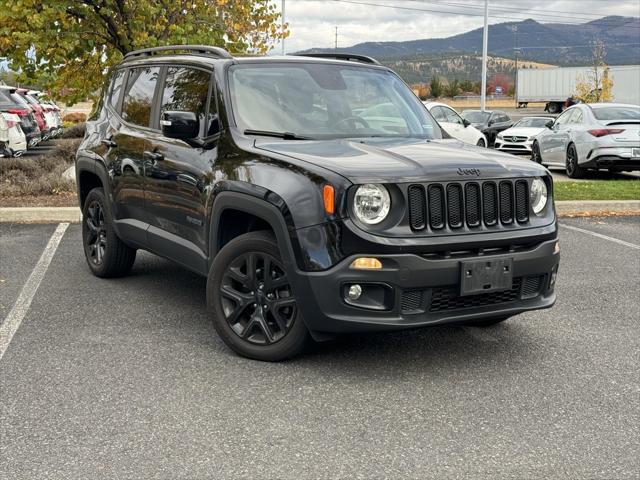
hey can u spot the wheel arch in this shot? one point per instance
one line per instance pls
(246, 213)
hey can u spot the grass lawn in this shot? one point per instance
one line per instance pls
(598, 190)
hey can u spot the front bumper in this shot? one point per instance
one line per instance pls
(419, 290)
(513, 147)
(617, 157)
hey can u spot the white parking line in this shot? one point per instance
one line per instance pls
(13, 320)
(600, 235)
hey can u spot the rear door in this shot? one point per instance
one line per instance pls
(178, 172)
(457, 124)
(125, 141)
(553, 144)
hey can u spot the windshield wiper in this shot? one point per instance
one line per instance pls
(283, 135)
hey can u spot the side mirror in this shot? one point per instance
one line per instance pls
(465, 122)
(549, 124)
(491, 122)
(183, 125)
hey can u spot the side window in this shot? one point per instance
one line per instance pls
(138, 95)
(577, 116)
(438, 114)
(116, 86)
(564, 118)
(452, 117)
(186, 90)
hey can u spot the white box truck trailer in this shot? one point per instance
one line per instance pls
(554, 86)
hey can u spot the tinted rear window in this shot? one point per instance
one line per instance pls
(617, 113)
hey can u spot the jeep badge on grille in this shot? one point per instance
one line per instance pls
(469, 171)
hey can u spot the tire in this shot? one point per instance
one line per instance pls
(573, 169)
(244, 301)
(489, 322)
(106, 255)
(535, 153)
(481, 143)
(554, 108)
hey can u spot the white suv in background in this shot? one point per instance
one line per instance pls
(455, 125)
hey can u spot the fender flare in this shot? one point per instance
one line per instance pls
(254, 206)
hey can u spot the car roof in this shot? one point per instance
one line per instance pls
(207, 55)
(604, 105)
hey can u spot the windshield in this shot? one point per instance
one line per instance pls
(321, 100)
(532, 122)
(617, 113)
(476, 116)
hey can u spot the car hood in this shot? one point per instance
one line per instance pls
(403, 160)
(521, 132)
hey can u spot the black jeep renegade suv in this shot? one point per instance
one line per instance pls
(317, 195)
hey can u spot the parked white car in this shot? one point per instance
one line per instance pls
(4, 137)
(455, 125)
(591, 136)
(17, 141)
(519, 138)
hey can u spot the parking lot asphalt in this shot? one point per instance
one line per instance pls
(126, 379)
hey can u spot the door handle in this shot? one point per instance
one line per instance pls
(155, 156)
(109, 143)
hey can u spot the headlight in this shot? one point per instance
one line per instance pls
(371, 203)
(538, 195)
(499, 136)
(531, 138)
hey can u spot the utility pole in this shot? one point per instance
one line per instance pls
(516, 51)
(335, 47)
(485, 38)
(283, 24)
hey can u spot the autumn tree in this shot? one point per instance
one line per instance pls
(67, 45)
(596, 85)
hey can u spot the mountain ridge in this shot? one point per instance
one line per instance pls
(559, 44)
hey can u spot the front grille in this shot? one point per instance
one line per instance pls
(532, 285)
(514, 139)
(457, 204)
(417, 206)
(411, 301)
(447, 298)
(436, 207)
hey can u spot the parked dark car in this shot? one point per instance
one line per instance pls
(306, 218)
(489, 122)
(12, 102)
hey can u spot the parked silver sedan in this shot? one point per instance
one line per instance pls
(591, 136)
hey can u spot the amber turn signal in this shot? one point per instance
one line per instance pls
(329, 196)
(366, 263)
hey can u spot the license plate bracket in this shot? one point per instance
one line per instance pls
(484, 276)
(635, 153)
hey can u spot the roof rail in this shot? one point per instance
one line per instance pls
(201, 49)
(350, 57)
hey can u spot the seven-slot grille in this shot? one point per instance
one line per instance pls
(455, 205)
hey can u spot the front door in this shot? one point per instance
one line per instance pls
(125, 144)
(553, 146)
(178, 172)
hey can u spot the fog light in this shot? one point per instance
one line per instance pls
(366, 263)
(354, 292)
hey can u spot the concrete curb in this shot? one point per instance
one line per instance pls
(592, 208)
(564, 208)
(40, 215)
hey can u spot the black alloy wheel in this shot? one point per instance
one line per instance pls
(573, 169)
(481, 143)
(106, 254)
(96, 238)
(252, 298)
(257, 299)
(535, 153)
